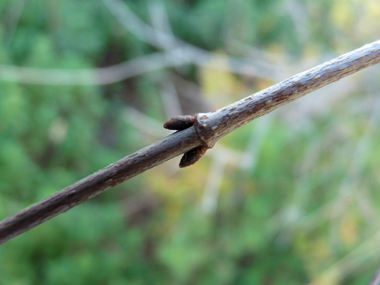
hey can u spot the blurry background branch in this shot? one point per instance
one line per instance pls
(97, 76)
(176, 53)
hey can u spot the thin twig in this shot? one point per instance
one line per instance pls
(207, 129)
(214, 125)
(375, 280)
(194, 54)
(96, 76)
(98, 182)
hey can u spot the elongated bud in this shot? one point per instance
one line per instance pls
(192, 156)
(180, 122)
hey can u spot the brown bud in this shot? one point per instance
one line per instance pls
(192, 156)
(180, 122)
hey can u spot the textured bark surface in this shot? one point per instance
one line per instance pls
(98, 182)
(212, 126)
(199, 133)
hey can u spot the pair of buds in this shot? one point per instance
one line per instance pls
(180, 123)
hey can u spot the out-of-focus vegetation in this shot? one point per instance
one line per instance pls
(290, 198)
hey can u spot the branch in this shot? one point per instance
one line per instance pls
(95, 76)
(110, 176)
(212, 126)
(199, 133)
(194, 54)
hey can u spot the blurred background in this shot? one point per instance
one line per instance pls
(290, 198)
